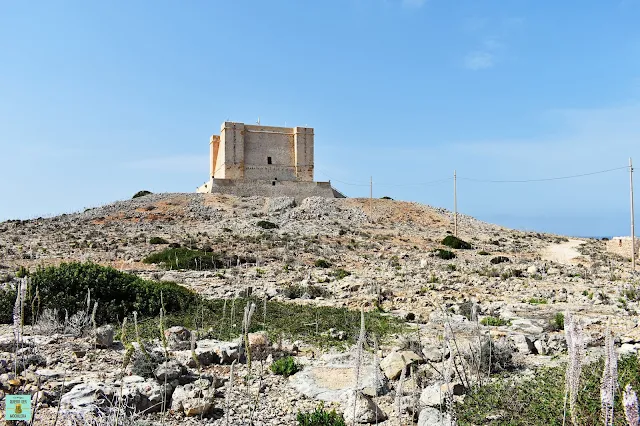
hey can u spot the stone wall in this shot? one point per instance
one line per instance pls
(254, 152)
(622, 246)
(274, 188)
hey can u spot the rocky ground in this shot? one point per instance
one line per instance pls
(520, 278)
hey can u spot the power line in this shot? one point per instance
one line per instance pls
(544, 179)
(388, 184)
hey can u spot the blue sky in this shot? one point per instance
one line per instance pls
(101, 99)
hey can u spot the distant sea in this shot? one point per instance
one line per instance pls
(596, 237)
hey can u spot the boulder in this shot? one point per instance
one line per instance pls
(433, 417)
(258, 339)
(436, 394)
(527, 326)
(393, 364)
(208, 352)
(194, 399)
(104, 336)
(86, 396)
(168, 371)
(178, 338)
(434, 354)
(366, 411)
(523, 344)
(145, 394)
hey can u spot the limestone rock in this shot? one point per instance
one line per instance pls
(434, 354)
(258, 339)
(366, 411)
(527, 326)
(523, 344)
(194, 399)
(436, 394)
(84, 396)
(104, 336)
(169, 370)
(393, 363)
(178, 338)
(433, 417)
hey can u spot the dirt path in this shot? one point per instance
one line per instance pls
(562, 252)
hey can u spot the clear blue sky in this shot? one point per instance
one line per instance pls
(101, 99)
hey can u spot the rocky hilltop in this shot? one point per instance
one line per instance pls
(397, 260)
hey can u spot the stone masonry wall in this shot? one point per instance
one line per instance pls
(253, 152)
(622, 246)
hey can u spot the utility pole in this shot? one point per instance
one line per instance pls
(455, 205)
(371, 198)
(633, 228)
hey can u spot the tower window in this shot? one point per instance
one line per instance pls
(273, 183)
(268, 160)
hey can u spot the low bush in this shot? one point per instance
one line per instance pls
(290, 321)
(455, 243)
(321, 263)
(320, 417)
(386, 198)
(538, 301)
(494, 321)
(539, 399)
(556, 323)
(496, 355)
(184, 258)
(118, 294)
(483, 253)
(265, 224)
(22, 272)
(141, 194)
(158, 240)
(285, 366)
(341, 273)
(500, 259)
(445, 254)
(7, 301)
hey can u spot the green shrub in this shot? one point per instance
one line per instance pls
(7, 301)
(483, 253)
(386, 198)
(141, 194)
(285, 366)
(184, 258)
(556, 323)
(538, 400)
(445, 254)
(341, 273)
(320, 417)
(455, 243)
(118, 294)
(22, 272)
(321, 263)
(158, 240)
(494, 321)
(538, 301)
(265, 224)
(500, 259)
(290, 321)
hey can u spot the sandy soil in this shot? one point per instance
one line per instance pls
(564, 253)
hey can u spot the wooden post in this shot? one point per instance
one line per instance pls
(633, 230)
(455, 205)
(371, 197)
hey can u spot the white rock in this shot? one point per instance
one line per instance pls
(366, 411)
